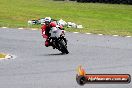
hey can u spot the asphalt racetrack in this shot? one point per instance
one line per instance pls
(36, 66)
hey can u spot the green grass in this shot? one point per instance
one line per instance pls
(2, 55)
(95, 17)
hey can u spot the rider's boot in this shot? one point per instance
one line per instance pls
(46, 43)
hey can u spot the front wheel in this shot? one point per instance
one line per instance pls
(63, 47)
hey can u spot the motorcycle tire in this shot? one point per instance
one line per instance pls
(63, 47)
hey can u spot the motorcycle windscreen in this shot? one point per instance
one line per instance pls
(55, 32)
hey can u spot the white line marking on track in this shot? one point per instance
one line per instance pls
(115, 35)
(8, 56)
(88, 33)
(13, 56)
(4, 27)
(33, 29)
(128, 36)
(75, 32)
(100, 34)
(20, 28)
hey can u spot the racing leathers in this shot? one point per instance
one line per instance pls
(45, 31)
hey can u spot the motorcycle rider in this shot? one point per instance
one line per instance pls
(46, 27)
